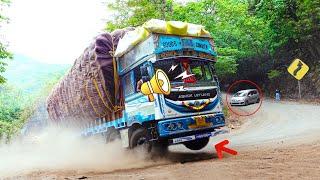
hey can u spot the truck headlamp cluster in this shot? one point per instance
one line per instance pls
(205, 121)
(215, 119)
(219, 119)
(173, 126)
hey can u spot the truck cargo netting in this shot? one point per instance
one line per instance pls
(90, 89)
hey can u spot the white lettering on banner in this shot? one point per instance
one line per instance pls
(201, 94)
(185, 96)
(194, 95)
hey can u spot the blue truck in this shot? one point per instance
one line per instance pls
(189, 112)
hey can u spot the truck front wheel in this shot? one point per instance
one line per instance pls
(160, 149)
(139, 139)
(197, 144)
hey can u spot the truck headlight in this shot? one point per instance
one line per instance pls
(173, 126)
(219, 119)
(179, 125)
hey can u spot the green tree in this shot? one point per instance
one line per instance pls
(4, 54)
(16, 106)
(11, 103)
(236, 32)
(274, 74)
(230, 24)
(136, 12)
(288, 19)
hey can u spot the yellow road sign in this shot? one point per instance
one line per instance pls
(298, 69)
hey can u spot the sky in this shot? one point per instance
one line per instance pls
(53, 31)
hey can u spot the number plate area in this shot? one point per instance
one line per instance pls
(200, 122)
(197, 136)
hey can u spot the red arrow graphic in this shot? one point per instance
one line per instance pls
(220, 147)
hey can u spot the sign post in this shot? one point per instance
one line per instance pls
(299, 86)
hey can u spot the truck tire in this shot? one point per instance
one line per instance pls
(197, 144)
(258, 100)
(160, 149)
(139, 138)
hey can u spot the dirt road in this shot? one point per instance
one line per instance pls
(281, 141)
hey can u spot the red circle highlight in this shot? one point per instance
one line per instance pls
(248, 82)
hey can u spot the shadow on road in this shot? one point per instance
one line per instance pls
(185, 157)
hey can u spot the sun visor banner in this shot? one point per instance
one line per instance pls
(168, 43)
(174, 43)
(203, 45)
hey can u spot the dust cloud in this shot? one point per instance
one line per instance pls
(63, 149)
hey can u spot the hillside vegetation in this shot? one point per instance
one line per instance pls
(255, 39)
(28, 82)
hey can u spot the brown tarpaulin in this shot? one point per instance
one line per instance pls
(90, 89)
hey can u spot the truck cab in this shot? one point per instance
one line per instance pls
(191, 113)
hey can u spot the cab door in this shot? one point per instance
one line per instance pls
(137, 106)
(255, 96)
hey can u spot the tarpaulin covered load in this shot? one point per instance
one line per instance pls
(90, 89)
(179, 28)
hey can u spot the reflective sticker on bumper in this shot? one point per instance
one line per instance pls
(183, 139)
(198, 136)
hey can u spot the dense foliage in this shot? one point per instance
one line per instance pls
(288, 19)
(4, 54)
(17, 103)
(241, 29)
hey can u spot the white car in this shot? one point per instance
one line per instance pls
(245, 97)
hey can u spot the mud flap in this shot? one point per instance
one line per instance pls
(124, 134)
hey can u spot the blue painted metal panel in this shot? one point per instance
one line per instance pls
(216, 120)
(187, 43)
(140, 118)
(136, 98)
(168, 43)
(118, 123)
(203, 45)
(174, 43)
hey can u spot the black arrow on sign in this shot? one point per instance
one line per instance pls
(299, 67)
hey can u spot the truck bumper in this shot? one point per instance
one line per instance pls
(190, 125)
(197, 136)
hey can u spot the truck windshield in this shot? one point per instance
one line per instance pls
(186, 70)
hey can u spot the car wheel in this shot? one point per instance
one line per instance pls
(246, 103)
(197, 144)
(258, 100)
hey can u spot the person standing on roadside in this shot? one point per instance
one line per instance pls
(278, 96)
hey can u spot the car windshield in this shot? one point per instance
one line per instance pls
(239, 94)
(186, 70)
